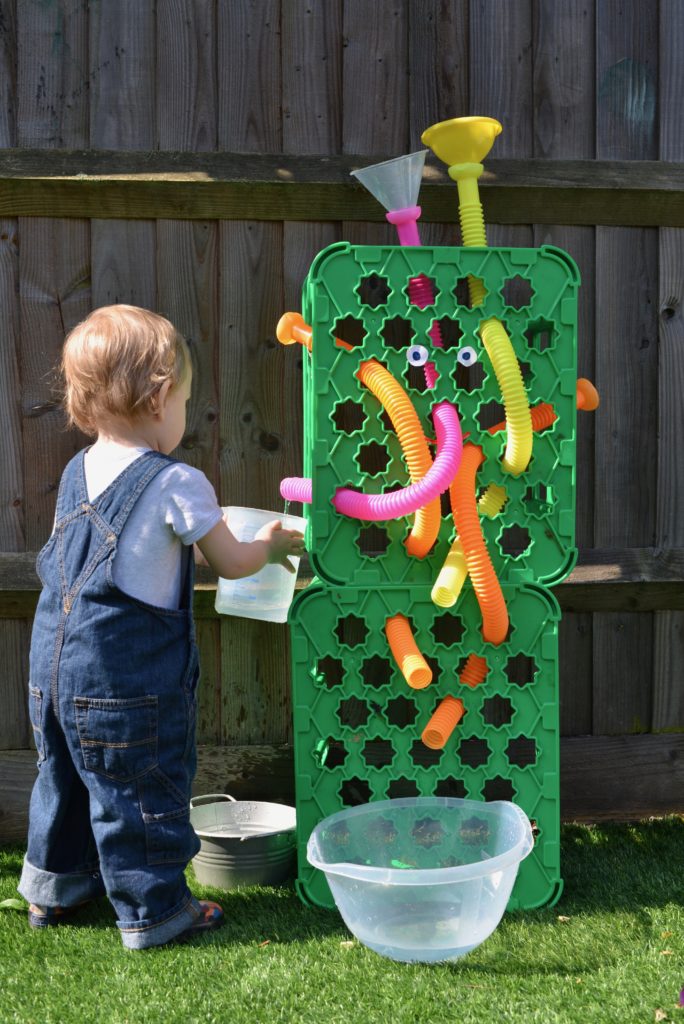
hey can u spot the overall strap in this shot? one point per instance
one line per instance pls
(117, 501)
(72, 490)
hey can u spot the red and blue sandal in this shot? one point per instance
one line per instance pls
(48, 917)
(211, 917)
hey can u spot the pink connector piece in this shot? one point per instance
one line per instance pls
(420, 288)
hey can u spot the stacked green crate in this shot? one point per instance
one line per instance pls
(507, 743)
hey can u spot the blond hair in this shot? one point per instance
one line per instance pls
(115, 362)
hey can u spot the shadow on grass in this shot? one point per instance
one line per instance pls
(252, 914)
(623, 869)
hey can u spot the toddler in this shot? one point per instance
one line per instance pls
(113, 662)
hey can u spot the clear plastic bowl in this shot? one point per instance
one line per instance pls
(424, 878)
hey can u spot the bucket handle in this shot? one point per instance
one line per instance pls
(210, 798)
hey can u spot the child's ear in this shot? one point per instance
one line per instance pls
(159, 403)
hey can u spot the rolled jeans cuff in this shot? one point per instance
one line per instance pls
(50, 889)
(157, 931)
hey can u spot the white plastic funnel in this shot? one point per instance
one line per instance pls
(394, 183)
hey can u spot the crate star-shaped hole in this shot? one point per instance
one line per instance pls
(329, 671)
(517, 292)
(522, 751)
(349, 329)
(474, 752)
(448, 629)
(353, 712)
(397, 333)
(515, 541)
(378, 753)
(374, 290)
(400, 712)
(351, 631)
(498, 788)
(428, 832)
(451, 787)
(402, 787)
(425, 757)
(376, 671)
(355, 791)
(497, 711)
(521, 669)
(372, 458)
(348, 416)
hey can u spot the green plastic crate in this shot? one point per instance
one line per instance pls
(357, 723)
(361, 291)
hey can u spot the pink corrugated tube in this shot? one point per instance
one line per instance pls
(374, 507)
(296, 488)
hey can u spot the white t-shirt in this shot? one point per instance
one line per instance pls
(178, 506)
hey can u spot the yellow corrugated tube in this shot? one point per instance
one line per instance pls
(451, 578)
(518, 418)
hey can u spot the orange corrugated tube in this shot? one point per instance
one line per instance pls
(413, 665)
(485, 583)
(474, 671)
(443, 722)
(543, 415)
(404, 417)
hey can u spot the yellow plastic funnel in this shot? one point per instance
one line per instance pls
(462, 143)
(462, 140)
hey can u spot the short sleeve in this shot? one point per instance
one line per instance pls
(191, 508)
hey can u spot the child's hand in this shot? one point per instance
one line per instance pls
(281, 543)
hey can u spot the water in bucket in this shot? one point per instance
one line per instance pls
(268, 594)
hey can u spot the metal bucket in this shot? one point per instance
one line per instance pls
(244, 842)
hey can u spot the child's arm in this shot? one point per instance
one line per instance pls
(232, 559)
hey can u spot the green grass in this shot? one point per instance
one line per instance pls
(611, 951)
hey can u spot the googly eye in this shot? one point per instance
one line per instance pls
(466, 356)
(417, 355)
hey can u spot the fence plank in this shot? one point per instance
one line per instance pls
(621, 777)
(626, 362)
(187, 271)
(254, 421)
(439, 85)
(375, 78)
(122, 116)
(668, 641)
(564, 128)
(500, 47)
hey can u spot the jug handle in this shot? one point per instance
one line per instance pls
(208, 798)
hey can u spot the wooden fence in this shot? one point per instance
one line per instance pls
(192, 156)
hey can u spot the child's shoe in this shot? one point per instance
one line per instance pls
(211, 917)
(46, 917)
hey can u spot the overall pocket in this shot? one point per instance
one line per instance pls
(118, 737)
(36, 717)
(169, 836)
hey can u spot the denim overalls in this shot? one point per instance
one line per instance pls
(112, 704)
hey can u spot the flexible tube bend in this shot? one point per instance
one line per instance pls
(296, 488)
(454, 572)
(485, 583)
(411, 662)
(446, 717)
(518, 419)
(374, 507)
(404, 417)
